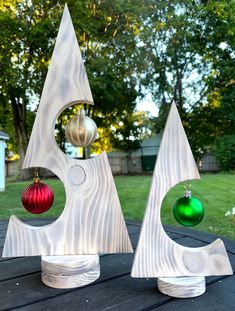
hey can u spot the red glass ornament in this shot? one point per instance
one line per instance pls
(38, 197)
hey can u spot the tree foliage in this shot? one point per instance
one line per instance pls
(24, 57)
(182, 50)
(224, 150)
(190, 58)
(106, 33)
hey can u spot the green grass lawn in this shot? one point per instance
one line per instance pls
(216, 192)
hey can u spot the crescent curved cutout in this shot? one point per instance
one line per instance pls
(92, 220)
(156, 254)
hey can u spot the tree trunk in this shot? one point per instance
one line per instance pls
(19, 117)
(178, 93)
(61, 134)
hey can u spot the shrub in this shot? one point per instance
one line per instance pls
(224, 151)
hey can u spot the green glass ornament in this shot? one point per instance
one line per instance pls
(188, 211)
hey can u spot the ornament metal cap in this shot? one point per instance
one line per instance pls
(187, 192)
(36, 178)
(81, 112)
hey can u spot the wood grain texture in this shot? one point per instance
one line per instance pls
(69, 271)
(157, 255)
(114, 290)
(92, 220)
(66, 83)
(91, 223)
(182, 287)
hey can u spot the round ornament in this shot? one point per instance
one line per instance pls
(38, 197)
(81, 130)
(188, 211)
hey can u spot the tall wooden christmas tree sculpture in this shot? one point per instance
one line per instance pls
(180, 270)
(92, 220)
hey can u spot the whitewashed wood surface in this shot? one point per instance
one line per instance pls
(156, 254)
(182, 287)
(92, 220)
(91, 223)
(70, 271)
(66, 83)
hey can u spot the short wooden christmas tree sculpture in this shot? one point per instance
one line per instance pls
(92, 220)
(180, 270)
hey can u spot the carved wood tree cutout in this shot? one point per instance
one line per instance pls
(92, 221)
(157, 255)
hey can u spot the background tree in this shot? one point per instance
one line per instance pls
(190, 59)
(224, 150)
(24, 57)
(180, 50)
(106, 33)
(217, 47)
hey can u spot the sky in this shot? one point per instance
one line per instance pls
(147, 104)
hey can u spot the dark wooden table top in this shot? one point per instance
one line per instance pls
(21, 287)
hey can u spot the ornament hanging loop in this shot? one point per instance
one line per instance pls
(81, 112)
(187, 190)
(188, 187)
(36, 179)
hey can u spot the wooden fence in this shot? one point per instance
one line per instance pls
(122, 165)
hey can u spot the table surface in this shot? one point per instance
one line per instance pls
(21, 287)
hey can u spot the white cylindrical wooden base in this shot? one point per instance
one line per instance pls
(182, 287)
(70, 271)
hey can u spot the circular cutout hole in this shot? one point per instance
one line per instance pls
(59, 131)
(167, 217)
(13, 195)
